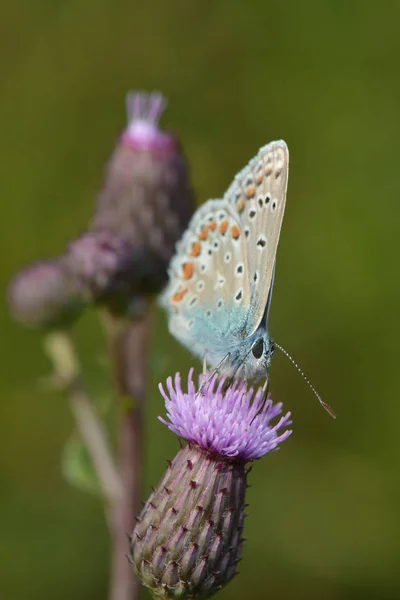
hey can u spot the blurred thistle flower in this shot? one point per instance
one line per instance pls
(188, 539)
(41, 296)
(146, 198)
(105, 269)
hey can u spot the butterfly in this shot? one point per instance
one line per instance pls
(221, 277)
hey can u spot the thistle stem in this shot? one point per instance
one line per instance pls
(60, 350)
(128, 354)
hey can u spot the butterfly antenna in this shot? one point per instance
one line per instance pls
(310, 385)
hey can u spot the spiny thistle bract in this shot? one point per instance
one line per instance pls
(188, 538)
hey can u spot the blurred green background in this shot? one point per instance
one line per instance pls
(323, 75)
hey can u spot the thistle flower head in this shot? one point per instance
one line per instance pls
(235, 422)
(146, 197)
(144, 112)
(41, 296)
(188, 538)
(100, 264)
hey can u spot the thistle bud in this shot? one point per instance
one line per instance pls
(146, 198)
(41, 296)
(188, 539)
(104, 269)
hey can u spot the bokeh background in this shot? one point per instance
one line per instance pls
(323, 75)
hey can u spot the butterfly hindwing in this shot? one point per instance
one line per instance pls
(208, 294)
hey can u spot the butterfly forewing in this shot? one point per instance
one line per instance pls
(257, 197)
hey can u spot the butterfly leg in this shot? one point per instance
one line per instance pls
(265, 391)
(236, 376)
(205, 362)
(213, 372)
(236, 372)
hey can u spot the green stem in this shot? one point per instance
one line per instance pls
(60, 350)
(128, 355)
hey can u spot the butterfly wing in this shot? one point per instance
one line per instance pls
(257, 197)
(208, 295)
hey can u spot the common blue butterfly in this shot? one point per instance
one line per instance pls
(221, 277)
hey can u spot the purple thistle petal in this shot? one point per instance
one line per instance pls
(144, 113)
(235, 422)
(134, 105)
(156, 105)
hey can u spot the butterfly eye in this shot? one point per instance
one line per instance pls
(258, 348)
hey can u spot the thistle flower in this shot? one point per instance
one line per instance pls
(146, 198)
(41, 296)
(104, 269)
(188, 539)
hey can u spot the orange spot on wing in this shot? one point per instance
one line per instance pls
(268, 171)
(203, 234)
(212, 226)
(259, 179)
(251, 191)
(187, 270)
(223, 227)
(179, 295)
(196, 249)
(235, 231)
(240, 205)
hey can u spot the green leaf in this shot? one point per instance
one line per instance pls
(77, 467)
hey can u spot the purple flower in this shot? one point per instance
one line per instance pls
(146, 197)
(188, 539)
(143, 132)
(235, 422)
